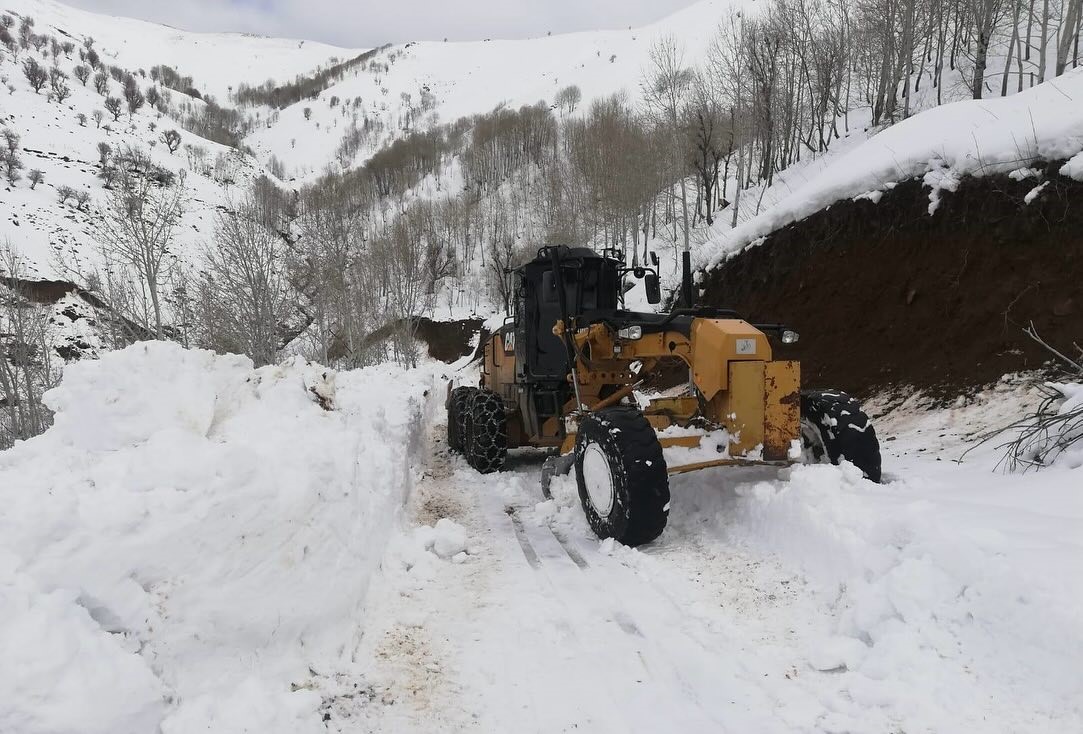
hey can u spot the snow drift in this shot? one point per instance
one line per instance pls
(950, 596)
(191, 537)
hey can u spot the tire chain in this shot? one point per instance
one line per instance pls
(487, 444)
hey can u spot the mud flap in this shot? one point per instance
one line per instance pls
(553, 466)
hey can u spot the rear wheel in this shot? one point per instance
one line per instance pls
(834, 427)
(457, 415)
(485, 436)
(622, 478)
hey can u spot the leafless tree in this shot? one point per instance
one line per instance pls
(244, 296)
(10, 160)
(137, 226)
(114, 106)
(133, 96)
(27, 367)
(58, 82)
(35, 74)
(568, 98)
(665, 87)
(172, 140)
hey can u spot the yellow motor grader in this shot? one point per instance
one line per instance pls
(567, 371)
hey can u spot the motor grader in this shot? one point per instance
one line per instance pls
(569, 370)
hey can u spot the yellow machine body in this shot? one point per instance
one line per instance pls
(738, 386)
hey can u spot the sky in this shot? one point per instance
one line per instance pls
(365, 23)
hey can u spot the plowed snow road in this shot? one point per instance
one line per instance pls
(541, 628)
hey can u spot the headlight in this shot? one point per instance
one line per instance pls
(631, 332)
(790, 337)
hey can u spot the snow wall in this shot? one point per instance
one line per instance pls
(194, 537)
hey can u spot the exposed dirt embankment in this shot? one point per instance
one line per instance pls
(885, 294)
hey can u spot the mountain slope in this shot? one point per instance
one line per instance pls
(469, 78)
(216, 61)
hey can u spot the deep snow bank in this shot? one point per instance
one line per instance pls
(191, 537)
(950, 594)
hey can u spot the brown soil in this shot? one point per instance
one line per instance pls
(448, 340)
(885, 294)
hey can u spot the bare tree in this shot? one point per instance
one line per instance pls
(244, 295)
(136, 229)
(27, 366)
(133, 96)
(1069, 33)
(665, 87)
(35, 74)
(113, 106)
(82, 73)
(568, 98)
(172, 140)
(985, 18)
(58, 82)
(10, 160)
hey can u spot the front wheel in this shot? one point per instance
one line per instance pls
(622, 477)
(834, 427)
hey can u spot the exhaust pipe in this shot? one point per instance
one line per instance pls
(686, 280)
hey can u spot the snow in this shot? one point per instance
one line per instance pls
(1074, 167)
(192, 536)
(809, 599)
(200, 545)
(1034, 192)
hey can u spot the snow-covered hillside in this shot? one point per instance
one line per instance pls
(469, 78)
(216, 61)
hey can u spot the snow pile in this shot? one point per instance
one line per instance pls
(943, 599)
(941, 145)
(422, 551)
(191, 537)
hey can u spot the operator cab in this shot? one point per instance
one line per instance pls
(591, 283)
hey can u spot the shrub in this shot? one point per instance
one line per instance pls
(35, 74)
(114, 106)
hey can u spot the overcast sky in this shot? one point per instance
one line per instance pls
(364, 23)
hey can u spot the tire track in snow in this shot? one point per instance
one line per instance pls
(586, 596)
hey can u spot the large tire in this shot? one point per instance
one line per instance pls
(622, 477)
(834, 427)
(485, 438)
(457, 410)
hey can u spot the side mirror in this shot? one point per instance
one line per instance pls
(654, 291)
(654, 258)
